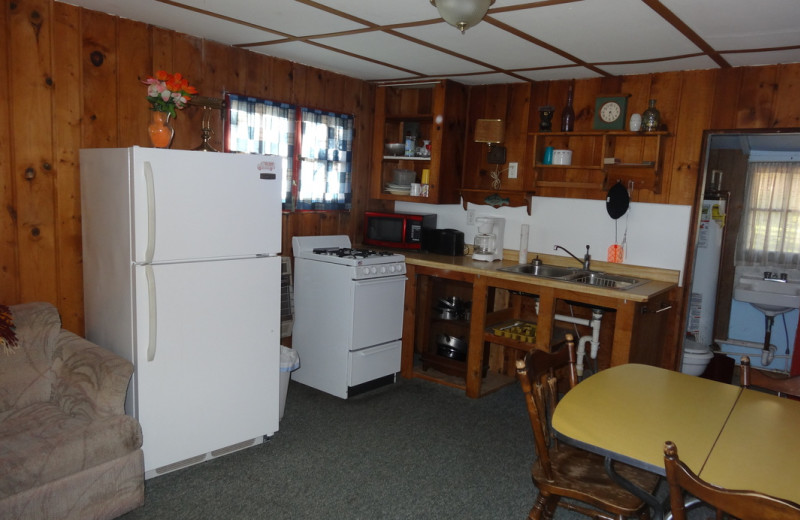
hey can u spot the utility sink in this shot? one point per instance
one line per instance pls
(772, 297)
(575, 275)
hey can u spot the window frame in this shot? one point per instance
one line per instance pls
(295, 159)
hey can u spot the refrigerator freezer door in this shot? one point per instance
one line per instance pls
(192, 205)
(207, 356)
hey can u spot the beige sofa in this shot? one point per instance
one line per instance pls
(67, 449)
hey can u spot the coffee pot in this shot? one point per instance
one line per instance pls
(488, 245)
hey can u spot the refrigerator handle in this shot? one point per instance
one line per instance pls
(151, 212)
(151, 307)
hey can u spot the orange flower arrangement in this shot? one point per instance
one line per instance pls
(168, 92)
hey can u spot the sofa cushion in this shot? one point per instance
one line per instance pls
(41, 443)
(25, 373)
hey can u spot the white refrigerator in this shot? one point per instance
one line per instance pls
(182, 277)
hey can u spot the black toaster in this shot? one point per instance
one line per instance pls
(443, 241)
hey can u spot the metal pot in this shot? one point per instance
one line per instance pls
(451, 347)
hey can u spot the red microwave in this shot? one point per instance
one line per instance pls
(400, 230)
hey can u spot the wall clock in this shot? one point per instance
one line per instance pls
(609, 112)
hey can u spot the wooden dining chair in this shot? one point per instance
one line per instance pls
(749, 376)
(744, 505)
(562, 470)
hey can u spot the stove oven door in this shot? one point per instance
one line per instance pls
(378, 311)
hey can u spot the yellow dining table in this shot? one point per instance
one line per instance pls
(734, 438)
(759, 447)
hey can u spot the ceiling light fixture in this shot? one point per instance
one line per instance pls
(462, 14)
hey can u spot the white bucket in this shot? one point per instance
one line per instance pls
(290, 362)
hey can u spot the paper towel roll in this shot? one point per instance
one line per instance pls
(523, 243)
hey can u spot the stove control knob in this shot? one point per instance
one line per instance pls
(391, 268)
(374, 270)
(383, 269)
(365, 270)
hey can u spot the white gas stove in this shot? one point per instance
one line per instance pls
(336, 249)
(348, 320)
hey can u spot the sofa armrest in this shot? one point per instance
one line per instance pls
(89, 380)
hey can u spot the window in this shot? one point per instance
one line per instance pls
(770, 230)
(317, 146)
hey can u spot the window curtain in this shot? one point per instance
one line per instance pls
(263, 127)
(325, 161)
(770, 231)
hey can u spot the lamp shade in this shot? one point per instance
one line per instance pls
(489, 131)
(462, 14)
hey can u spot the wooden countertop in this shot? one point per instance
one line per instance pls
(660, 280)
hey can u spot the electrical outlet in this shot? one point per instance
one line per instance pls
(512, 170)
(471, 217)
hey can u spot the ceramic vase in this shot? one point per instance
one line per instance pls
(160, 130)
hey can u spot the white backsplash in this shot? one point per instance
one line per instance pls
(657, 234)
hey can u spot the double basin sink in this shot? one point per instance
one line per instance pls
(575, 275)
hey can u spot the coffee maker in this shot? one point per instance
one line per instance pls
(488, 245)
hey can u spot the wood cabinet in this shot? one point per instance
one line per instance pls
(631, 329)
(600, 159)
(432, 111)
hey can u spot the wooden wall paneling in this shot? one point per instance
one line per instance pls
(360, 105)
(300, 79)
(135, 49)
(221, 74)
(475, 173)
(685, 144)
(666, 89)
(757, 97)
(281, 80)
(31, 116)
(257, 71)
(99, 69)
(67, 143)
(9, 269)
(638, 87)
(517, 125)
(787, 103)
(724, 113)
(187, 52)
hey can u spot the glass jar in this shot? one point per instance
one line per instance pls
(651, 119)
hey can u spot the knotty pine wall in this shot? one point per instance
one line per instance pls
(72, 81)
(689, 101)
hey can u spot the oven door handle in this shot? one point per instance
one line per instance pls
(382, 280)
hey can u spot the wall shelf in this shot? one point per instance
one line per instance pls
(638, 157)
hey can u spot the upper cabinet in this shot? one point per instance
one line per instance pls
(599, 159)
(433, 115)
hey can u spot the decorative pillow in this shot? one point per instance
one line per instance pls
(8, 335)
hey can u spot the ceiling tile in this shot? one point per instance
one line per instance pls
(602, 31)
(403, 53)
(728, 25)
(311, 55)
(488, 44)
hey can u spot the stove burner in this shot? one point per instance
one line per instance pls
(347, 252)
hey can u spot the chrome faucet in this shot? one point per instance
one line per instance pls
(586, 258)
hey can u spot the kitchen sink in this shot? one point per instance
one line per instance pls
(542, 270)
(575, 275)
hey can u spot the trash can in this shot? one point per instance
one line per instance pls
(290, 361)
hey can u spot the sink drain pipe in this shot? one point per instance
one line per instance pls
(594, 339)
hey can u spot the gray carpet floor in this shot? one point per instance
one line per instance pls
(412, 450)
